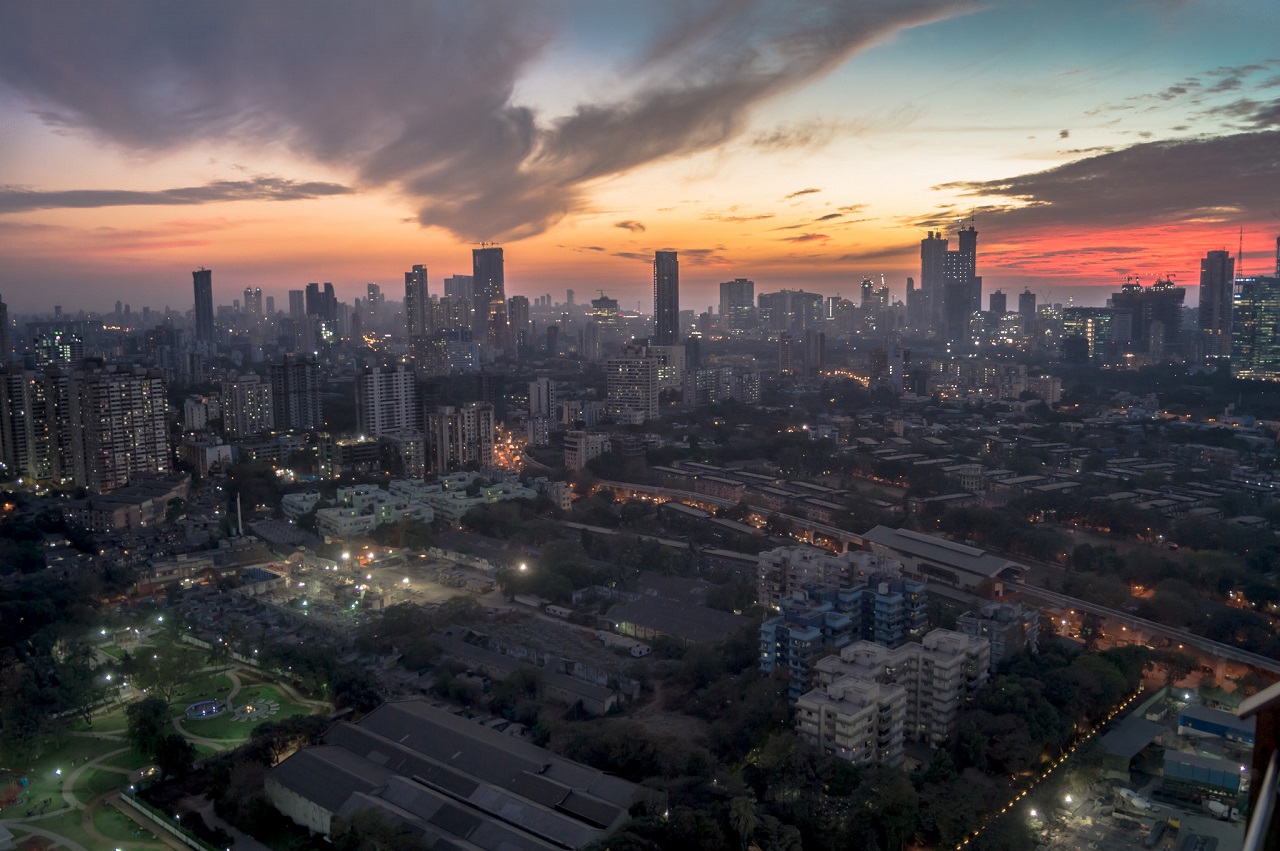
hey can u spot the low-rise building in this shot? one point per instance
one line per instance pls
(1010, 627)
(450, 780)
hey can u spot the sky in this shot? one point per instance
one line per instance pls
(802, 145)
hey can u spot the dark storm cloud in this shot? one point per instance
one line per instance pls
(15, 199)
(633, 226)
(418, 96)
(1152, 182)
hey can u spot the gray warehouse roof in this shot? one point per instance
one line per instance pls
(940, 550)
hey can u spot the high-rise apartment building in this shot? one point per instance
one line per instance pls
(297, 304)
(962, 287)
(1156, 312)
(246, 407)
(1027, 305)
(737, 304)
(998, 304)
(125, 432)
(666, 298)
(790, 310)
(933, 256)
(542, 397)
(457, 437)
(415, 302)
(202, 281)
(387, 400)
(295, 394)
(26, 432)
(1217, 295)
(253, 301)
(6, 333)
(632, 388)
(871, 698)
(489, 294)
(1256, 329)
(518, 315)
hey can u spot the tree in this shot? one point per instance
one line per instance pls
(1177, 665)
(356, 687)
(174, 755)
(148, 723)
(1090, 629)
(743, 819)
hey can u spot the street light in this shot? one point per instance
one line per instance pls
(523, 567)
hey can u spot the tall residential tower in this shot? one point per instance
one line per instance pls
(666, 298)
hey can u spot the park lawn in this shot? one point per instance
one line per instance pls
(98, 782)
(203, 685)
(130, 760)
(112, 650)
(116, 825)
(68, 824)
(111, 721)
(226, 727)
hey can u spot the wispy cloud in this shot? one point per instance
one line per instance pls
(633, 226)
(800, 192)
(14, 199)
(806, 237)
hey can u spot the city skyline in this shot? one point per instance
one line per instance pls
(1086, 143)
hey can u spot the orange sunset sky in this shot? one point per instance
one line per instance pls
(801, 145)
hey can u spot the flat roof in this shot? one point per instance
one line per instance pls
(1130, 737)
(940, 550)
(453, 778)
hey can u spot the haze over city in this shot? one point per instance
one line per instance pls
(805, 148)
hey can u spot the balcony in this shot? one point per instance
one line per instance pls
(1263, 833)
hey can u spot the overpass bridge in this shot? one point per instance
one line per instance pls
(1190, 639)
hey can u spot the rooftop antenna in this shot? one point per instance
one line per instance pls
(1240, 255)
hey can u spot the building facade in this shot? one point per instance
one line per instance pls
(666, 298)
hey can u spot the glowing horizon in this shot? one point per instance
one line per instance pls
(279, 144)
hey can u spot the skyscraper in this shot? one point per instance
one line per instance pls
(933, 256)
(297, 304)
(666, 298)
(1027, 305)
(737, 304)
(415, 301)
(6, 338)
(962, 287)
(999, 304)
(1217, 290)
(1256, 329)
(489, 285)
(518, 316)
(202, 280)
(253, 301)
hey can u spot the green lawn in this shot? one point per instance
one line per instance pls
(119, 827)
(226, 727)
(130, 760)
(96, 782)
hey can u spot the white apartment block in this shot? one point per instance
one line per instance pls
(580, 447)
(387, 401)
(781, 571)
(854, 712)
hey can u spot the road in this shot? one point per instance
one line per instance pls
(1213, 648)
